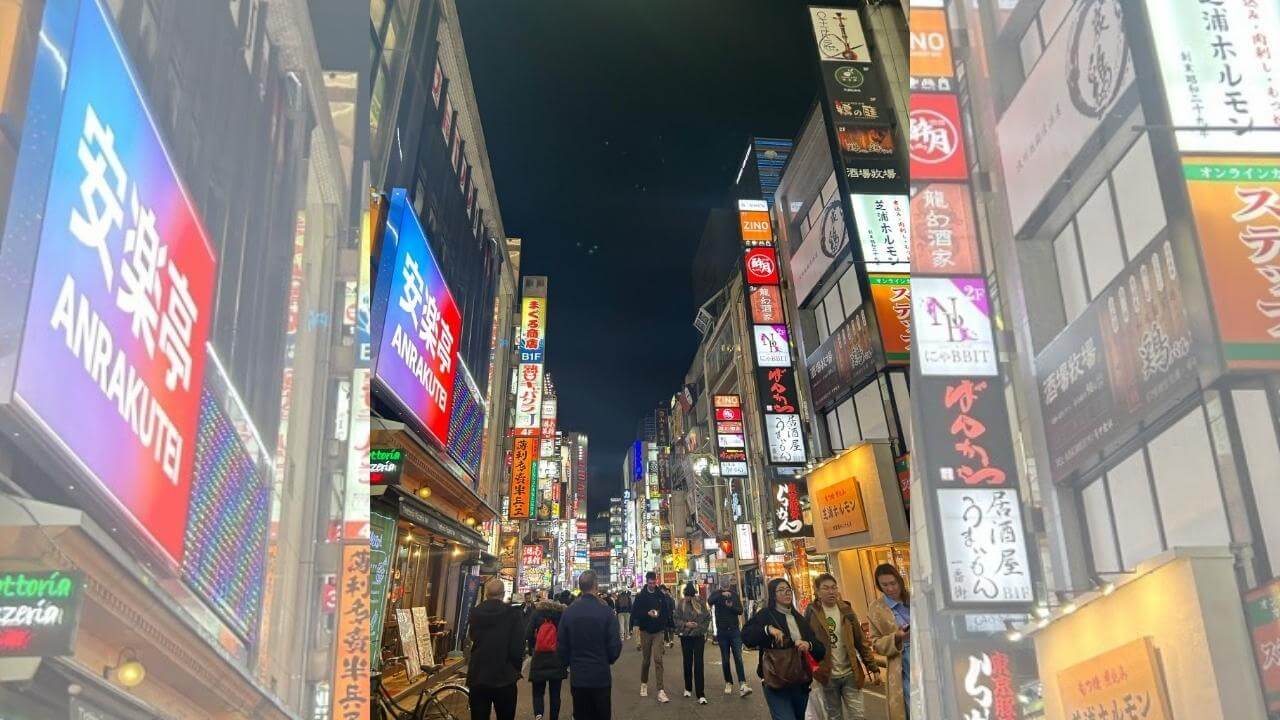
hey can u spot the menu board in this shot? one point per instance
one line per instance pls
(408, 643)
(422, 631)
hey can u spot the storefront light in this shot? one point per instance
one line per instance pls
(1069, 608)
(128, 670)
(424, 492)
(1014, 636)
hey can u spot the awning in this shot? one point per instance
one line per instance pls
(428, 518)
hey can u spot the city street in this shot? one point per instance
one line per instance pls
(628, 705)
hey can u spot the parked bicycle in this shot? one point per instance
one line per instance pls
(443, 701)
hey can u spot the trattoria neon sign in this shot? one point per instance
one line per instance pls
(39, 613)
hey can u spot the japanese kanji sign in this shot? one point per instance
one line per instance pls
(984, 548)
(964, 426)
(1262, 612)
(986, 678)
(944, 240)
(937, 142)
(417, 359)
(884, 231)
(839, 508)
(788, 501)
(121, 295)
(524, 483)
(891, 299)
(844, 360)
(351, 660)
(1220, 62)
(1236, 203)
(1122, 684)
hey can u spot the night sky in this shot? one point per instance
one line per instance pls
(613, 127)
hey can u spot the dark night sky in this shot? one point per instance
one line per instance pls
(616, 125)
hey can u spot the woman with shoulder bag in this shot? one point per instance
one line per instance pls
(788, 652)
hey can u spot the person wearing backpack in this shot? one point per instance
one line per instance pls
(546, 670)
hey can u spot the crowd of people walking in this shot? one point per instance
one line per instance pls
(579, 638)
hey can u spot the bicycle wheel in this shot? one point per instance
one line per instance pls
(447, 702)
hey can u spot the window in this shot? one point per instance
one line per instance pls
(1136, 522)
(1029, 47)
(850, 295)
(1075, 296)
(1100, 239)
(1187, 488)
(1262, 456)
(833, 432)
(871, 417)
(1142, 215)
(1097, 513)
(849, 432)
(902, 401)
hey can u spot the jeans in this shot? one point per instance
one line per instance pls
(731, 640)
(694, 670)
(787, 703)
(652, 647)
(624, 620)
(592, 703)
(843, 698)
(502, 700)
(539, 687)
(906, 676)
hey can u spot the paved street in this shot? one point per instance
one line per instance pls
(628, 705)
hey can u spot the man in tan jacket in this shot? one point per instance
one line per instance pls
(849, 664)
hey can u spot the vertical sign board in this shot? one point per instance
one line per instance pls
(1236, 204)
(953, 331)
(931, 66)
(891, 300)
(532, 345)
(524, 478)
(986, 678)
(354, 649)
(984, 548)
(731, 442)
(944, 239)
(121, 295)
(417, 357)
(39, 613)
(382, 547)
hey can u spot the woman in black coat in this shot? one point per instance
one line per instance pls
(546, 670)
(777, 625)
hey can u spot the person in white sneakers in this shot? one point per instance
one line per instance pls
(692, 617)
(651, 613)
(728, 608)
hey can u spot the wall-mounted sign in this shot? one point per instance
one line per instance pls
(746, 542)
(785, 437)
(1128, 676)
(385, 465)
(766, 304)
(39, 612)
(778, 388)
(532, 554)
(524, 483)
(773, 348)
(838, 32)
(1076, 83)
(1218, 72)
(844, 360)
(1099, 379)
(944, 240)
(756, 229)
(1262, 612)
(418, 354)
(984, 548)
(987, 678)
(839, 508)
(931, 64)
(953, 331)
(121, 292)
(789, 501)
(937, 141)
(891, 299)
(529, 388)
(350, 670)
(734, 468)
(760, 266)
(728, 414)
(726, 401)
(884, 231)
(824, 241)
(964, 426)
(730, 428)
(1236, 204)
(382, 547)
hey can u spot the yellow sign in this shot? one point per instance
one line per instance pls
(840, 508)
(680, 554)
(1124, 682)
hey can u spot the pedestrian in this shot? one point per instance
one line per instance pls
(589, 644)
(782, 636)
(608, 600)
(668, 633)
(546, 670)
(651, 614)
(848, 666)
(526, 610)
(728, 608)
(692, 617)
(565, 598)
(497, 649)
(890, 619)
(623, 607)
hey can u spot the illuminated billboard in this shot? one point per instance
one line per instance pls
(121, 295)
(417, 357)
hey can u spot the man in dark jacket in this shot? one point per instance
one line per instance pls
(546, 670)
(589, 644)
(728, 607)
(497, 649)
(652, 614)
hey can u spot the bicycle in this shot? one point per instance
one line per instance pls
(445, 701)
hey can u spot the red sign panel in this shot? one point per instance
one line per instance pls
(761, 266)
(728, 414)
(937, 143)
(766, 305)
(944, 239)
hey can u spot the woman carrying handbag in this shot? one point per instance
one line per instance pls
(789, 652)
